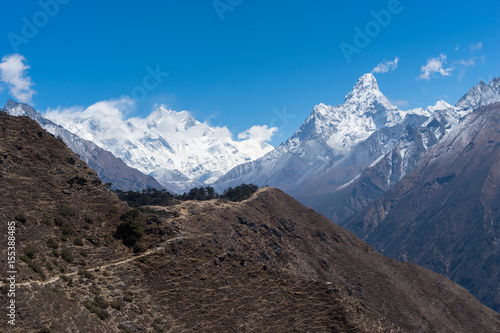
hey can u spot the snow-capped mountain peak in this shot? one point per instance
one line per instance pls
(495, 85)
(338, 128)
(169, 120)
(366, 87)
(365, 97)
(440, 105)
(19, 109)
(364, 111)
(366, 82)
(331, 138)
(480, 95)
(172, 146)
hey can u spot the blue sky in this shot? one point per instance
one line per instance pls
(239, 63)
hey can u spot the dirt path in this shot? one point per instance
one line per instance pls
(147, 253)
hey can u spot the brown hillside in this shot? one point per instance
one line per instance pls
(55, 198)
(267, 264)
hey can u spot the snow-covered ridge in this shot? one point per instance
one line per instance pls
(481, 95)
(177, 149)
(364, 111)
(172, 146)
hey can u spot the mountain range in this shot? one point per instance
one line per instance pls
(460, 243)
(344, 160)
(173, 147)
(336, 148)
(336, 144)
(327, 137)
(389, 168)
(333, 147)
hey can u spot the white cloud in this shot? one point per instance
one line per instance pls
(434, 65)
(399, 103)
(259, 133)
(467, 63)
(463, 64)
(105, 119)
(476, 46)
(13, 76)
(386, 66)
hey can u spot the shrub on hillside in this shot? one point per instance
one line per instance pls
(67, 256)
(65, 211)
(53, 244)
(67, 229)
(98, 305)
(78, 242)
(19, 217)
(240, 193)
(30, 252)
(130, 229)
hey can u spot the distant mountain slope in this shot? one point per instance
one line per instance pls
(445, 213)
(267, 264)
(109, 168)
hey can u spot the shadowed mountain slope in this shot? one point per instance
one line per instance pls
(445, 214)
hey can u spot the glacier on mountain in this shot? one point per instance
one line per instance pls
(396, 159)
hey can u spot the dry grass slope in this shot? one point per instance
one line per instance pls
(267, 264)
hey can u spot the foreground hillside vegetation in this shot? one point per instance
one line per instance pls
(88, 262)
(155, 197)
